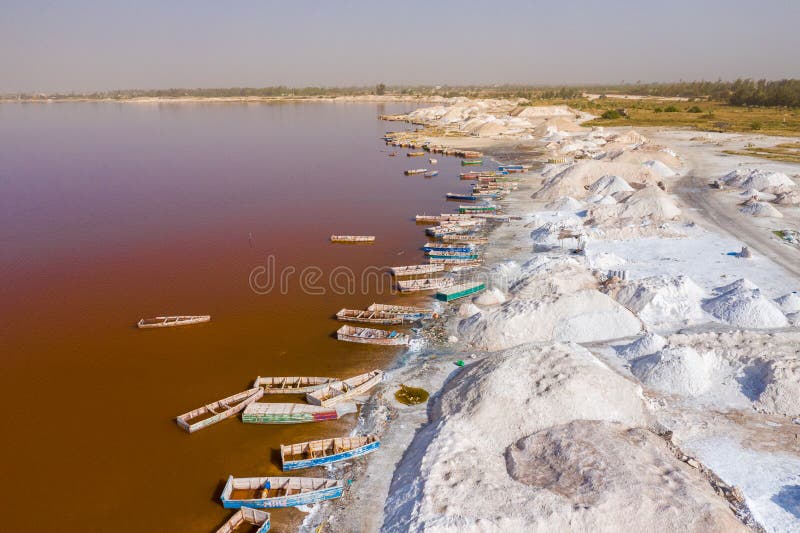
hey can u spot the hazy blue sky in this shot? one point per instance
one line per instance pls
(94, 45)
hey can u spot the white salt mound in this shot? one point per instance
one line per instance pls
(756, 179)
(745, 307)
(606, 260)
(573, 180)
(468, 309)
(609, 185)
(789, 303)
(664, 301)
(645, 345)
(491, 297)
(565, 203)
(738, 285)
(676, 370)
(758, 195)
(660, 168)
(788, 198)
(781, 395)
(760, 209)
(649, 203)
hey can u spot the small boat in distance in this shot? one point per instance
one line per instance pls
(272, 492)
(369, 317)
(469, 239)
(353, 238)
(287, 413)
(326, 451)
(214, 412)
(431, 173)
(291, 385)
(460, 291)
(425, 284)
(171, 321)
(456, 196)
(416, 171)
(414, 270)
(465, 162)
(433, 161)
(259, 520)
(440, 247)
(371, 336)
(406, 311)
(339, 391)
(415, 154)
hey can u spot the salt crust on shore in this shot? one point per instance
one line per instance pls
(569, 453)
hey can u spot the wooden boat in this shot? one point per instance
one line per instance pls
(513, 168)
(369, 317)
(291, 385)
(272, 492)
(326, 451)
(459, 291)
(415, 154)
(469, 175)
(451, 255)
(259, 520)
(471, 239)
(340, 391)
(171, 321)
(477, 208)
(453, 261)
(406, 311)
(438, 231)
(433, 161)
(465, 162)
(435, 247)
(220, 410)
(471, 154)
(457, 265)
(416, 171)
(353, 238)
(371, 336)
(425, 284)
(414, 270)
(286, 413)
(431, 173)
(456, 196)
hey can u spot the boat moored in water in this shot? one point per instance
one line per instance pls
(340, 391)
(414, 270)
(326, 451)
(257, 519)
(217, 411)
(415, 171)
(431, 173)
(425, 284)
(171, 321)
(371, 336)
(273, 492)
(353, 238)
(406, 311)
(369, 317)
(291, 385)
(287, 413)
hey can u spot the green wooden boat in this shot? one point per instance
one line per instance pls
(465, 162)
(477, 208)
(459, 291)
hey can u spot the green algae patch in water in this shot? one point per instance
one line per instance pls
(411, 395)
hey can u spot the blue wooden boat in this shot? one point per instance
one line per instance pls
(245, 515)
(431, 173)
(437, 247)
(455, 196)
(272, 492)
(405, 311)
(326, 451)
(446, 255)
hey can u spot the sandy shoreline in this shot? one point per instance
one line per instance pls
(684, 308)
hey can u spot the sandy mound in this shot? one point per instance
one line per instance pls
(609, 185)
(760, 209)
(788, 198)
(629, 137)
(743, 306)
(643, 154)
(663, 301)
(542, 111)
(491, 297)
(749, 178)
(660, 169)
(676, 370)
(789, 303)
(574, 180)
(649, 203)
(583, 316)
(565, 203)
(468, 309)
(645, 345)
(558, 455)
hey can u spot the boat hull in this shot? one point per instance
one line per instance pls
(184, 420)
(321, 461)
(294, 500)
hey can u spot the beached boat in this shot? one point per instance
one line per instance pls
(287, 413)
(291, 385)
(477, 208)
(272, 492)
(455, 266)
(416, 171)
(414, 270)
(171, 321)
(340, 391)
(436, 247)
(438, 231)
(435, 254)
(456, 196)
(369, 317)
(513, 168)
(415, 154)
(371, 336)
(326, 451)
(431, 173)
(460, 291)
(426, 284)
(471, 239)
(469, 175)
(433, 161)
(451, 261)
(353, 238)
(465, 162)
(257, 520)
(406, 311)
(220, 410)
(471, 154)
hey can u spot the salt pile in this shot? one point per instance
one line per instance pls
(676, 370)
(565, 203)
(757, 179)
(491, 297)
(760, 209)
(758, 195)
(552, 233)
(567, 454)
(649, 204)
(741, 305)
(467, 310)
(609, 185)
(789, 303)
(551, 277)
(788, 198)
(630, 137)
(781, 395)
(599, 199)
(660, 168)
(664, 301)
(606, 261)
(645, 345)
(574, 180)
(583, 316)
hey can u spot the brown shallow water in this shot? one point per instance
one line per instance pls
(112, 212)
